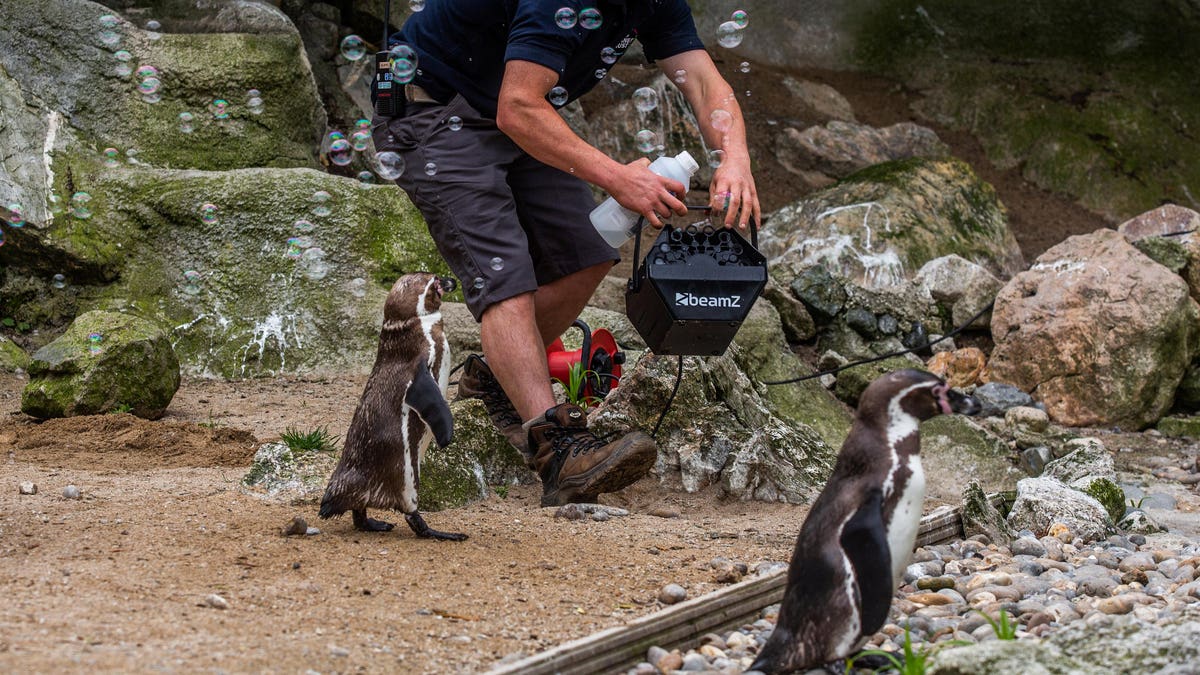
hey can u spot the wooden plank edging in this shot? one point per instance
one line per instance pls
(681, 626)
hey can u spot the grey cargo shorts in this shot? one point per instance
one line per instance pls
(504, 222)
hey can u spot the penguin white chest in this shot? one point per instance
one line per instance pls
(906, 518)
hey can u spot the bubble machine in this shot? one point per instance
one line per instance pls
(694, 288)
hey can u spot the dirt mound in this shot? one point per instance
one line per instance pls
(122, 441)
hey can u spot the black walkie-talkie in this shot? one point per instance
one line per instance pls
(387, 99)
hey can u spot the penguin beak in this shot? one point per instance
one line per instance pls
(447, 284)
(960, 403)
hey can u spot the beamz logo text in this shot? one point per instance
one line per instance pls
(689, 300)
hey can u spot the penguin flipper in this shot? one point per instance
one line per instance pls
(864, 539)
(425, 396)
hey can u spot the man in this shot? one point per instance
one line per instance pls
(502, 182)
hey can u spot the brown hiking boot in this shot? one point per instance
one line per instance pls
(478, 382)
(575, 466)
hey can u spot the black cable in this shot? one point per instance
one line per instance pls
(670, 399)
(927, 345)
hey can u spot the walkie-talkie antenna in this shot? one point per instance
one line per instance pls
(387, 23)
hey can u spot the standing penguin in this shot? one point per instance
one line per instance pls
(403, 406)
(859, 535)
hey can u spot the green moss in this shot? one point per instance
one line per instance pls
(852, 382)
(1110, 495)
(450, 477)
(1180, 427)
(12, 357)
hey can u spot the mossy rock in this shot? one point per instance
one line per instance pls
(12, 357)
(105, 361)
(980, 517)
(288, 476)
(450, 477)
(1180, 427)
(956, 451)
(852, 382)
(1108, 493)
(1169, 253)
(474, 433)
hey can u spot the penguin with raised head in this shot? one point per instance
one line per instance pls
(403, 407)
(859, 535)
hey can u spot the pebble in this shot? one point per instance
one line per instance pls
(71, 492)
(1028, 546)
(27, 488)
(671, 594)
(662, 512)
(297, 526)
(935, 583)
(339, 652)
(570, 512)
(216, 602)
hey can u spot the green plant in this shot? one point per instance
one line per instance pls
(1002, 627)
(314, 440)
(573, 388)
(9, 322)
(211, 423)
(1137, 504)
(913, 662)
(501, 491)
(121, 408)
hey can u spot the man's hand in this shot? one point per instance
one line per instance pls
(732, 192)
(642, 191)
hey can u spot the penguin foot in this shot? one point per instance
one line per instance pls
(417, 523)
(362, 522)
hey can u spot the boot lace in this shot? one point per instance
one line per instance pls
(496, 401)
(575, 441)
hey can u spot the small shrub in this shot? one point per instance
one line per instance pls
(314, 440)
(1002, 627)
(576, 382)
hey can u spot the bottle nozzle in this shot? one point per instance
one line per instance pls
(687, 162)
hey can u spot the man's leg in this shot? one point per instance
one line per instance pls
(559, 302)
(516, 354)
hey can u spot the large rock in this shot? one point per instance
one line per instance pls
(839, 148)
(956, 451)
(960, 286)
(1118, 644)
(12, 357)
(245, 298)
(881, 224)
(1088, 467)
(1101, 333)
(1042, 502)
(105, 361)
(1174, 224)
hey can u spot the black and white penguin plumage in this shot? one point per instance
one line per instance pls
(859, 535)
(403, 407)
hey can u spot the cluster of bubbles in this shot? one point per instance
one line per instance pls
(361, 136)
(402, 60)
(588, 18)
(353, 47)
(149, 84)
(94, 340)
(730, 33)
(108, 35)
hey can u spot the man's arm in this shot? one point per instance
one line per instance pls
(525, 116)
(707, 92)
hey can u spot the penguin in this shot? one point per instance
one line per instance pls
(403, 407)
(859, 535)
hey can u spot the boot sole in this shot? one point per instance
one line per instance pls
(621, 470)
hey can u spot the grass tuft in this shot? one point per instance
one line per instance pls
(314, 440)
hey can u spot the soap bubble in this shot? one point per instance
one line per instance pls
(744, 66)
(191, 282)
(455, 123)
(303, 225)
(303, 241)
(740, 18)
(362, 123)
(313, 263)
(600, 73)
(55, 203)
(430, 169)
(153, 25)
(153, 29)
(254, 103)
(145, 71)
(149, 86)
(109, 21)
(609, 55)
(715, 158)
(558, 96)
(131, 155)
(185, 122)
(359, 139)
(110, 157)
(293, 250)
(590, 18)
(110, 38)
(365, 178)
(729, 35)
(123, 56)
(645, 99)
(219, 108)
(403, 60)
(721, 120)
(478, 283)
(389, 165)
(1, 237)
(358, 287)
(208, 214)
(646, 140)
(565, 18)
(341, 152)
(122, 69)
(58, 281)
(680, 76)
(320, 200)
(17, 215)
(79, 205)
(497, 264)
(94, 340)
(353, 47)
(336, 135)
(416, 5)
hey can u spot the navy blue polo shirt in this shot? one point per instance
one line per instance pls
(463, 45)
